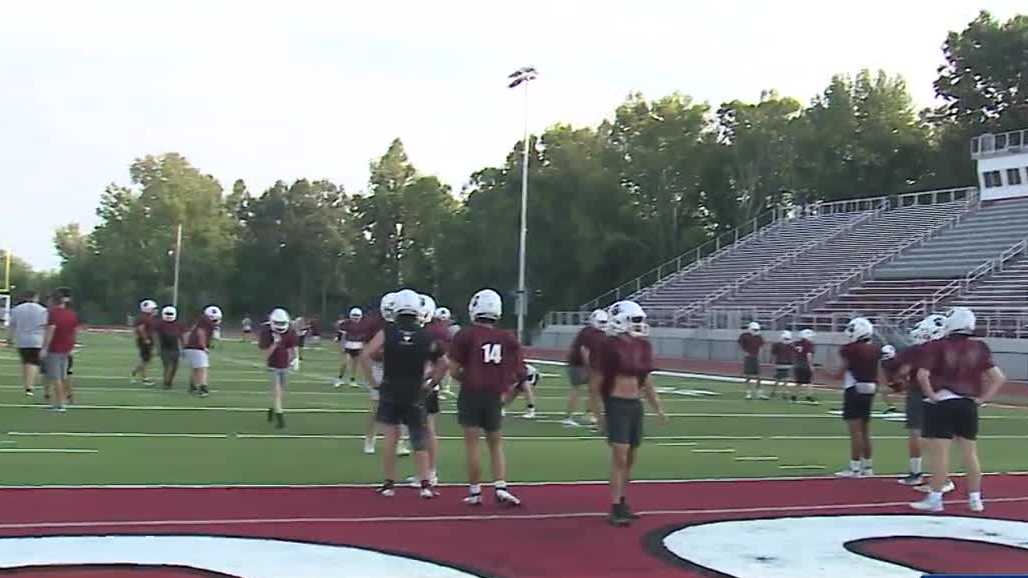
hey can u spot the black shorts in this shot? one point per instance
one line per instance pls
(915, 409)
(856, 405)
(29, 355)
(751, 366)
(432, 403)
(782, 372)
(411, 415)
(803, 374)
(302, 341)
(481, 409)
(624, 421)
(170, 357)
(353, 352)
(951, 418)
(145, 351)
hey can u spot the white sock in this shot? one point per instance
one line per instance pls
(915, 465)
(935, 496)
(974, 496)
(475, 489)
(855, 465)
(865, 463)
(500, 485)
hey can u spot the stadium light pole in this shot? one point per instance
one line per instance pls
(519, 77)
(178, 261)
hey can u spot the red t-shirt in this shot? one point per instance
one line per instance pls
(194, 339)
(622, 355)
(862, 358)
(279, 358)
(589, 338)
(956, 363)
(783, 353)
(751, 344)
(65, 324)
(490, 357)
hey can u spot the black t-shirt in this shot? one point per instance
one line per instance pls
(407, 350)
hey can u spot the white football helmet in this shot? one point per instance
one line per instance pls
(888, 352)
(148, 306)
(407, 302)
(960, 320)
(213, 313)
(807, 334)
(934, 327)
(859, 329)
(443, 314)
(356, 314)
(486, 304)
(169, 313)
(599, 319)
(279, 320)
(753, 327)
(427, 309)
(628, 317)
(786, 336)
(387, 306)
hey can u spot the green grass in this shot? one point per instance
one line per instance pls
(234, 450)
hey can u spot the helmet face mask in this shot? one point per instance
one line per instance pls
(888, 352)
(753, 327)
(407, 302)
(960, 321)
(786, 336)
(443, 314)
(387, 306)
(427, 311)
(356, 314)
(169, 314)
(599, 319)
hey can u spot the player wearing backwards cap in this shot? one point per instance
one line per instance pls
(956, 375)
(278, 342)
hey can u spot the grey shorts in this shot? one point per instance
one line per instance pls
(915, 409)
(624, 421)
(278, 376)
(170, 357)
(578, 375)
(56, 366)
(751, 366)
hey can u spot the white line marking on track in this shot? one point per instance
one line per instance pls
(116, 435)
(46, 451)
(801, 467)
(686, 444)
(714, 451)
(757, 459)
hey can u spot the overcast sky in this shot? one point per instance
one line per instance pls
(318, 89)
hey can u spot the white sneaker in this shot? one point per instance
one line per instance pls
(848, 473)
(433, 481)
(593, 419)
(927, 505)
(402, 449)
(976, 505)
(749, 395)
(763, 397)
(948, 487)
(503, 412)
(505, 497)
(337, 383)
(427, 493)
(867, 473)
(369, 447)
(530, 414)
(570, 422)
(473, 500)
(388, 492)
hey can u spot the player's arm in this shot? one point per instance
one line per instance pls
(269, 345)
(457, 355)
(374, 347)
(48, 336)
(646, 384)
(438, 368)
(924, 381)
(995, 379)
(12, 330)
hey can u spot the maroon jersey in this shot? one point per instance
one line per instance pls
(893, 368)
(490, 357)
(622, 355)
(783, 353)
(589, 338)
(862, 358)
(801, 349)
(169, 334)
(440, 332)
(145, 325)
(751, 344)
(354, 330)
(956, 363)
(194, 339)
(279, 358)
(65, 324)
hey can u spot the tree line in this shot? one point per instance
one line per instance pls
(606, 202)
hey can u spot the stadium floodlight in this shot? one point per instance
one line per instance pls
(522, 77)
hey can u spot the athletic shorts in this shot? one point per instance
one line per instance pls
(956, 417)
(915, 409)
(278, 375)
(624, 421)
(145, 351)
(578, 375)
(170, 357)
(198, 359)
(411, 415)
(481, 409)
(432, 403)
(352, 348)
(856, 405)
(71, 364)
(302, 341)
(56, 366)
(751, 366)
(29, 355)
(246, 330)
(803, 374)
(355, 353)
(782, 372)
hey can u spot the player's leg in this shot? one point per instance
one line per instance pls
(372, 430)
(433, 449)
(353, 367)
(30, 371)
(344, 361)
(938, 436)
(634, 418)
(391, 434)
(866, 467)
(416, 421)
(278, 386)
(473, 465)
(965, 422)
(530, 400)
(914, 410)
(490, 419)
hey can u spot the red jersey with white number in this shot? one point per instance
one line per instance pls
(490, 357)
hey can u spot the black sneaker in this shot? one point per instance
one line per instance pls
(203, 391)
(890, 409)
(628, 511)
(911, 480)
(387, 489)
(618, 516)
(193, 390)
(280, 421)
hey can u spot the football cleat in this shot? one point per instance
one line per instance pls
(337, 383)
(570, 422)
(473, 500)
(975, 505)
(911, 480)
(749, 395)
(427, 493)
(29, 393)
(619, 516)
(848, 473)
(927, 505)
(204, 392)
(369, 446)
(402, 449)
(280, 421)
(949, 486)
(530, 414)
(867, 473)
(387, 490)
(506, 498)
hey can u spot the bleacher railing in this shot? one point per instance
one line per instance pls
(967, 194)
(691, 259)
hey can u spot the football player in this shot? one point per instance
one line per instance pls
(387, 308)
(406, 350)
(352, 336)
(956, 375)
(169, 335)
(803, 364)
(750, 342)
(860, 374)
(528, 378)
(443, 329)
(784, 354)
(484, 360)
(278, 343)
(144, 330)
(622, 364)
(247, 326)
(198, 344)
(585, 341)
(302, 328)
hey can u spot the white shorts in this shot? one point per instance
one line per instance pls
(377, 372)
(353, 345)
(198, 359)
